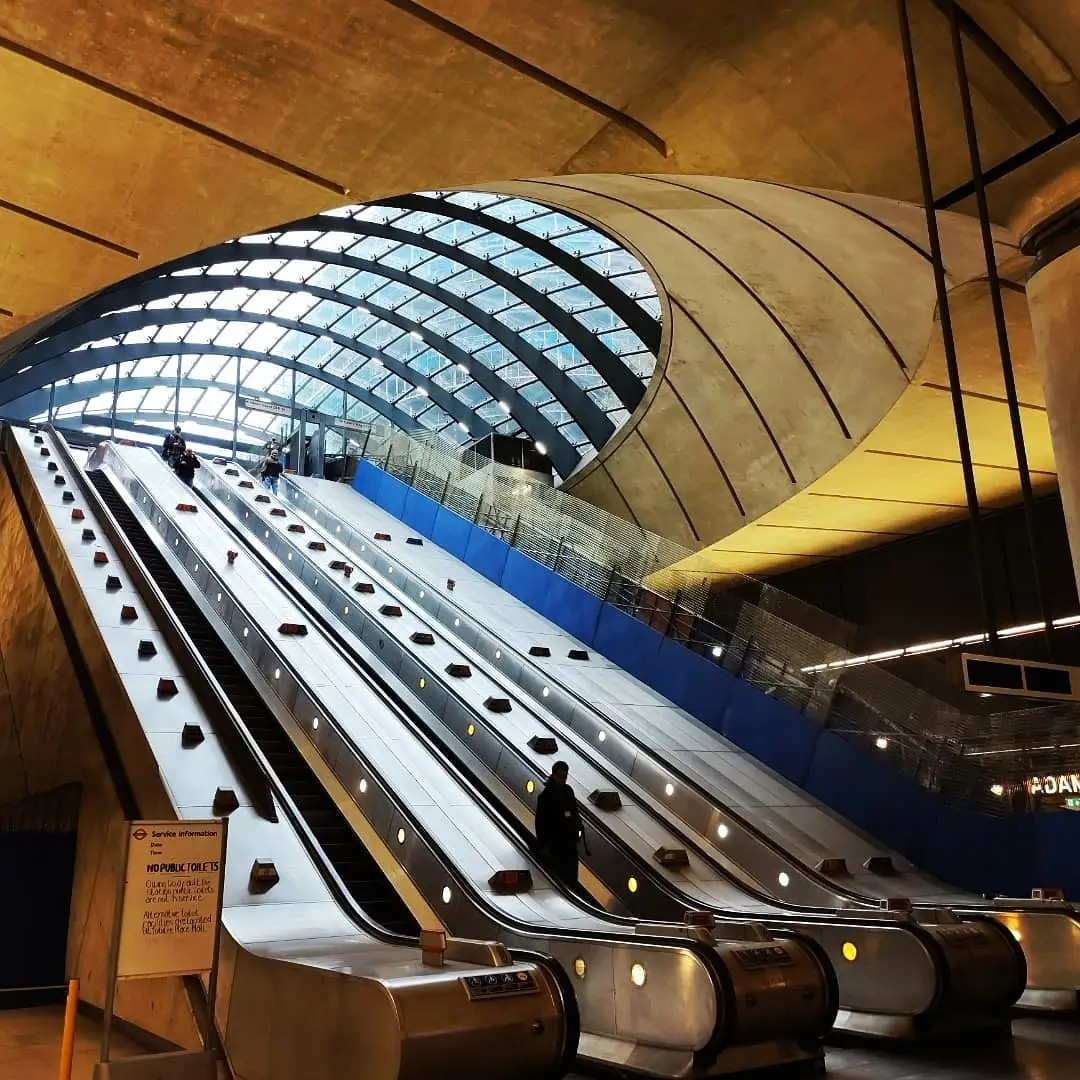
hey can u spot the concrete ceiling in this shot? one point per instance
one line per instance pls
(138, 130)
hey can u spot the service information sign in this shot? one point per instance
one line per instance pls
(171, 899)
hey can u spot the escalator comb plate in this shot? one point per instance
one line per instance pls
(578, 654)
(382, 536)
(414, 540)
(390, 610)
(418, 637)
(247, 484)
(277, 512)
(459, 671)
(262, 498)
(543, 744)
(297, 529)
(364, 587)
(605, 800)
(497, 704)
(539, 650)
(316, 545)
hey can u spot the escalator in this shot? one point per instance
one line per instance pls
(359, 872)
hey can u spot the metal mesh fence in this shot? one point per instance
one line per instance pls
(784, 646)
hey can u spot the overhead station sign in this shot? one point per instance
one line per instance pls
(171, 898)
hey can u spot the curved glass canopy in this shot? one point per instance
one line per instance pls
(455, 314)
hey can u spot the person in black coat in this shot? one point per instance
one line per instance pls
(558, 826)
(271, 472)
(173, 445)
(185, 466)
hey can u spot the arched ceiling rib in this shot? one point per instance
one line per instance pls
(458, 313)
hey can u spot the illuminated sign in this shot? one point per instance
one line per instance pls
(1062, 784)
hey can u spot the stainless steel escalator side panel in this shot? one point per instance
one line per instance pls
(697, 1012)
(262, 939)
(921, 970)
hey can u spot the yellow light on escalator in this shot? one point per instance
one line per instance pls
(530, 787)
(784, 880)
(632, 884)
(579, 967)
(1016, 933)
(401, 836)
(423, 683)
(851, 954)
(637, 974)
(470, 730)
(722, 831)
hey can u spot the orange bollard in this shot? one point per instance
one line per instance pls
(67, 1044)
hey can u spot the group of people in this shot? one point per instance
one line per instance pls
(176, 452)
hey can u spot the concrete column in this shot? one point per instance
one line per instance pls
(1054, 299)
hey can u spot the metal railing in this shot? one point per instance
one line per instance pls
(760, 634)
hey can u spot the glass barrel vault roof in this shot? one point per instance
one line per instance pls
(455, 313)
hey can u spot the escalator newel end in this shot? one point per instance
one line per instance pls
(247, 484)
(187, 508)
(225, 801)
(414, 540)
(295, 629)
(59, 480)
(508, 882)
(459, 671)
(44, 451)
(128, 613)
(262, 498)
(263, 876)
(391, 611)
(231, 556)
(52, 466)
(147, 649)
(69, 496)
(100, 558)
(167, 688)
(76, 514)
(232, 472)
(191, 736)
(89, 534)
(364, 587)
(578, 654)
(543, 744)
(605, 800)
(112, 583)
(297, 529)
(316, 545)
(419, 637)
(497, 704)
(539, 650)
(277, 512)
(673, 858)
(382, 536)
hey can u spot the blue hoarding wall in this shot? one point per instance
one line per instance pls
(1005, 856)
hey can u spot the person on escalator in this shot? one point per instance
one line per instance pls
(558, 826)
(185, 466)
(174, 442)
(271, 471)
